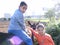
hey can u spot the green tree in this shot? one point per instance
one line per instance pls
(49, 14)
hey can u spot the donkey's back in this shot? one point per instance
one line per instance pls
(10, 39)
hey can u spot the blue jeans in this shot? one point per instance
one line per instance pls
(21, 34)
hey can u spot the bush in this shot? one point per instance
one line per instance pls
(54, 31)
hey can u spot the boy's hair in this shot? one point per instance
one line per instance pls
(40, 25)
(23, 3)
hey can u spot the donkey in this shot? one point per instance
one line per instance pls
(10, 39)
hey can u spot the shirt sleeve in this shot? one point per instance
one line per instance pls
(35, 33)
(50, 40)
(20, 20)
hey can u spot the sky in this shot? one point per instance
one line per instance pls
(35, 7)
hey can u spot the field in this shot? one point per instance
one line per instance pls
(4, 24)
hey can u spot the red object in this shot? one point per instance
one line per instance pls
(43, 40)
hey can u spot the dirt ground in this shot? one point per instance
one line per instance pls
(4, 26)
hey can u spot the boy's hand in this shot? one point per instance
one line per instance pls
(29, 31)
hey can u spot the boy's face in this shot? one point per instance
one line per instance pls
(41, 30)
(23, 8)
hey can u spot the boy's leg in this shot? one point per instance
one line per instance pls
(21, 34)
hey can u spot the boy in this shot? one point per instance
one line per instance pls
(16, 25)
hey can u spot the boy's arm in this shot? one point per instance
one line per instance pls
(38, 37)
(20, 20)
(34, 32)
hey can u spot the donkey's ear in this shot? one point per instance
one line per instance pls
(37, 23)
